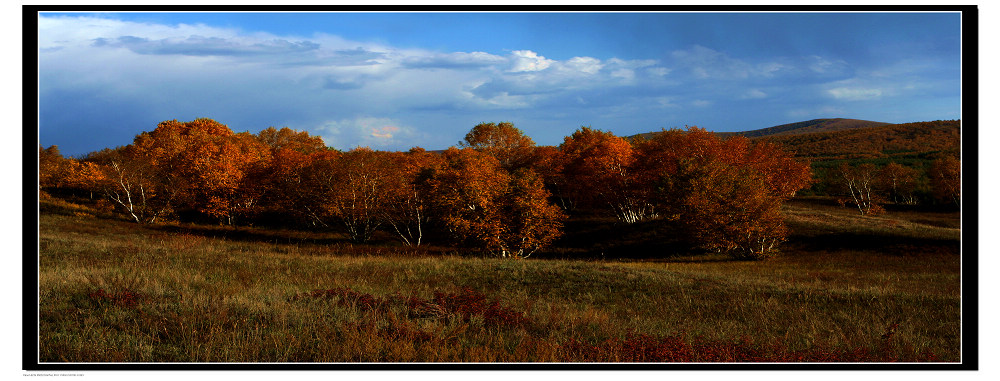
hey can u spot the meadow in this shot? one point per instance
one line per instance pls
(845, 288)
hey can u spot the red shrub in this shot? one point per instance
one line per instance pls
(125, 298)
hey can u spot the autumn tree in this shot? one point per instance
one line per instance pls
(596, 168)
(254, 171)
(312, 180)
(360, 193)
(289, 139)
(861, 182)
(548, 162)
(85, 176)
(134, 184)
(280, 179)
(725, 194)
(900, 182)
(52, 167)
(408, 210)
(725, 208)
(531, 221)
(67, 174)
(206, 161)
(508, 144)
(946, 179)
(483, 205)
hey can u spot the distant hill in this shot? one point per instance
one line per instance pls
(825, 141)
(891, 141)
(806, 127)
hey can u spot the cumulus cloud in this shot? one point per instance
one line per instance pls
(457, 60)
(587, 65)
(526, 60)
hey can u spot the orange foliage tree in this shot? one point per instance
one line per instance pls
(408, 209)
(55, 171)
(725, 208)
(861, 182)
(531, 221)
(725, 194)
(52, 167)
(946, 179)
(900, 182)
(596, 169)
(548, 162)
(361, 180)
(506, 143)
(133, 184)
(482, 205)
(280, 180)
(203, 164)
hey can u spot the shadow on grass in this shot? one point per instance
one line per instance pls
(243, 234)
(881, 243)
(594, 237)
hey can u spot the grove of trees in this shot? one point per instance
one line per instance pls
(496, 192)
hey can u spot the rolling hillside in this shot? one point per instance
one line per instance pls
(805, 127)
(907, 140)
(850, 139)
(809, 126)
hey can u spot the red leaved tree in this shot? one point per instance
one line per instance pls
(946, 179)
(408, 207)
(597, 169)
(482, 205)
(508, 144)
(134, 184)
(861, 182)
(725, 194)
(205, 160)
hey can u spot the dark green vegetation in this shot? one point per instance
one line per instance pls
(845, 287)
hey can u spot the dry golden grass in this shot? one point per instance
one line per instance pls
(185, 293)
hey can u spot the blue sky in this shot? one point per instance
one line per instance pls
(397, 80)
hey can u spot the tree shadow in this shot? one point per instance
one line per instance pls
(881, 243)
(604, 238)
(254, 235)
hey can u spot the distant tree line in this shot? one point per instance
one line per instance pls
(496, 191)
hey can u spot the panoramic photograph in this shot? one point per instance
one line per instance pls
(500, 188)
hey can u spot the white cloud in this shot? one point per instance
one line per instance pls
(322, 83)
(626, 75)
(825, 66)
(587, 65)
(526, 60)
(659, 71)
(754, 94)
(665, 102)
(854, 94)
(706, 63)
(457, 60)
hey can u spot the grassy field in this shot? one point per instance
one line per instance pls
(845, 288)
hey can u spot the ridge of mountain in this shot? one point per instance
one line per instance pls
(804, 127)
